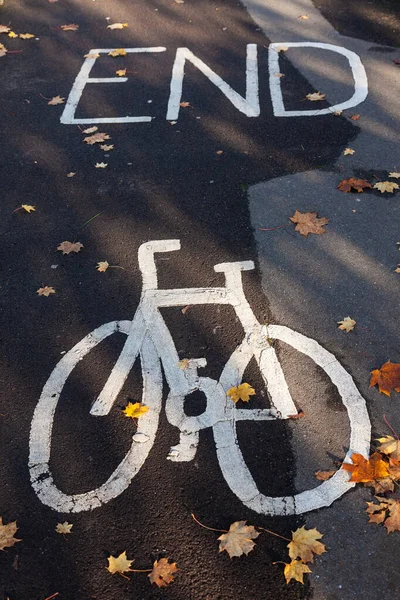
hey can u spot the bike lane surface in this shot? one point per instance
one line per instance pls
(162, 181)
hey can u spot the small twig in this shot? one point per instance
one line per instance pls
(53, 596)
(273, 533)
(91, 219)
(205, 526)
(390, 427)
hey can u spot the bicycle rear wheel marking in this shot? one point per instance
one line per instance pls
(42, 424)
(230, 458)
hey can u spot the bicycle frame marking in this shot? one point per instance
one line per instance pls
(148, 335)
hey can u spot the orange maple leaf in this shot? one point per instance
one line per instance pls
(387, 378)
(346, 185)
(363, 470)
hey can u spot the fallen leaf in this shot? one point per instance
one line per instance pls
(315, 96)
(163, 572)
(376, 512)
(305, 544)
(324, 475)
(71, 27)
(117, 52)
(28, 207)
(394, 468)
(92, 55)
(394, 174)
(117, 26)
(297, 416)
(397, 269)
(96, 138)
(68, 247)
(241, 392)
(90, 130)
(121, 72)
(309, 223)
(239, 539)
(363, 470)
(282, 48)
(71, 174)
(102, 266)
(386, 186)
(389, 445)
(346, 185)
(184, 104)
(4, 29)
(348, 151)
(392, 523)
(304, 17)
(355, 117)
(183, 364)
(3, 50)
(101, 165)
(56, 100)
(172, 122)
(347, 324)
(64, 527)
(279, 75)
(46, 291)
(26, 36)
(381, 486)
(337, 113)
(295, 570)
(119, 564)
(107, 148)
(12, 34)
(7, 539)
(387, 378)
(219, 152)
(135, 410)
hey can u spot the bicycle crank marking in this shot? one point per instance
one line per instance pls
(147, 336)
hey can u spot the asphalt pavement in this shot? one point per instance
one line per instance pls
(214, 178)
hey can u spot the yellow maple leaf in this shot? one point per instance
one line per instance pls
(386, 186)
(71, 174)
(348, 151)
(64, 527)
(119, 564)
(163, 572)
(28, 207)
(107, 147)
(46, 291)
(241, 392)
(101, 165)
(238, 540)
(92, 55)
(135, 410)
(389, 445)
(56, 100)
(183, 364)
(363, 470)
(102, 266)
(117, 52)
(117, 26)
(315, 96)
(347, 324)
(90, 130)
(12, 34)
(305, 544)
(26, 36)
(4, 29)
(96, 138)
(121, 72)
(7, 539)
(68, 247)
(295, 570)
(394, 174)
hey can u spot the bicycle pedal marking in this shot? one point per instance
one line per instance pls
(148, 337)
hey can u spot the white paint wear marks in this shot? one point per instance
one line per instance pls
(357, 69)
(248, 105)
(149, 338)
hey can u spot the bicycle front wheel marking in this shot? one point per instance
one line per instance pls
(42, 424)
(230, 458)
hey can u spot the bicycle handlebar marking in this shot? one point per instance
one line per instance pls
(148, 336)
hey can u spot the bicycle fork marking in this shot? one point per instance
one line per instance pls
(148, 335)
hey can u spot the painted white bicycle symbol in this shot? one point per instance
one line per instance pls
(149, 337)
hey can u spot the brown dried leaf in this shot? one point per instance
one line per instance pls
(68, 247)
(387, 378)
(71, 27)
(239, 539)
(102, 266)
(315, 96)
(163, 572)
(309, 223)
(392, 523)
(324, 475)
(347, 324)
(346, 185)
(4, 29)
(363, 470)
(184, 104)
(46, 291)
(56, 100)
(97, 138)
(386, 186)
(7, 539)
